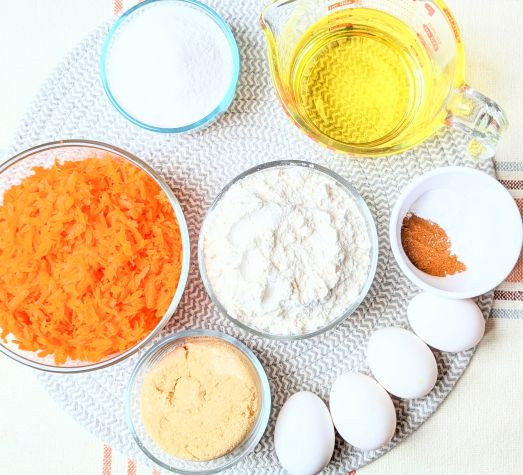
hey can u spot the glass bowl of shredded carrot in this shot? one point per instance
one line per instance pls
(94, 253)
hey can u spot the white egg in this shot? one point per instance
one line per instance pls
(402, 363)
(362, 411)
(445, 324)
(304, 435)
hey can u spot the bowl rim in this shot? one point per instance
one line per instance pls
(186, 253)
(371, 229)
(257, 432)
(217, 111)
(395, 229)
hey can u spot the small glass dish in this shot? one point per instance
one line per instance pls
(14, 170)
(149, 447)
(204, 121)
(371, 229)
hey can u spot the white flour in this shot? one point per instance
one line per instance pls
(286, 250)
(169, 64)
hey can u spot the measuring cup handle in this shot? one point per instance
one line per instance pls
(479, 117)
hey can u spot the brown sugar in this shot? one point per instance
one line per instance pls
(428, 247)
(201, 401)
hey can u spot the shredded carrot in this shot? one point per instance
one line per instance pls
(90, 258)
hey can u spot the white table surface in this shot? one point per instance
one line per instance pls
(478, 430)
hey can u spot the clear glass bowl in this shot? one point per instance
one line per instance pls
(204, 121)
(20, 166)
(148, 446)
(371, 228)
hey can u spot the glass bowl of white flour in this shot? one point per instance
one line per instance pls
(288, 250)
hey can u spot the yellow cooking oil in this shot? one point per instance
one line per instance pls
(362, 77)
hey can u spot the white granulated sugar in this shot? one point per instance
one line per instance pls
(286, 250)
(169, 64)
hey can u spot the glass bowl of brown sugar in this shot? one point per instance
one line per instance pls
(198, 402)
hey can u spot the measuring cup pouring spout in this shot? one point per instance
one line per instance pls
(270, 19)
(320, 53)
(264, 19)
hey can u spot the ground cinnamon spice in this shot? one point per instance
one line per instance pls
(428, 247)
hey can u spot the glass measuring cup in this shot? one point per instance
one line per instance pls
(375, 77)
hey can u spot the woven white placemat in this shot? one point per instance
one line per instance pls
(72, 104)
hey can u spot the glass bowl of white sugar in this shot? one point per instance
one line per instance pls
(170, 66)
(288, 250)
